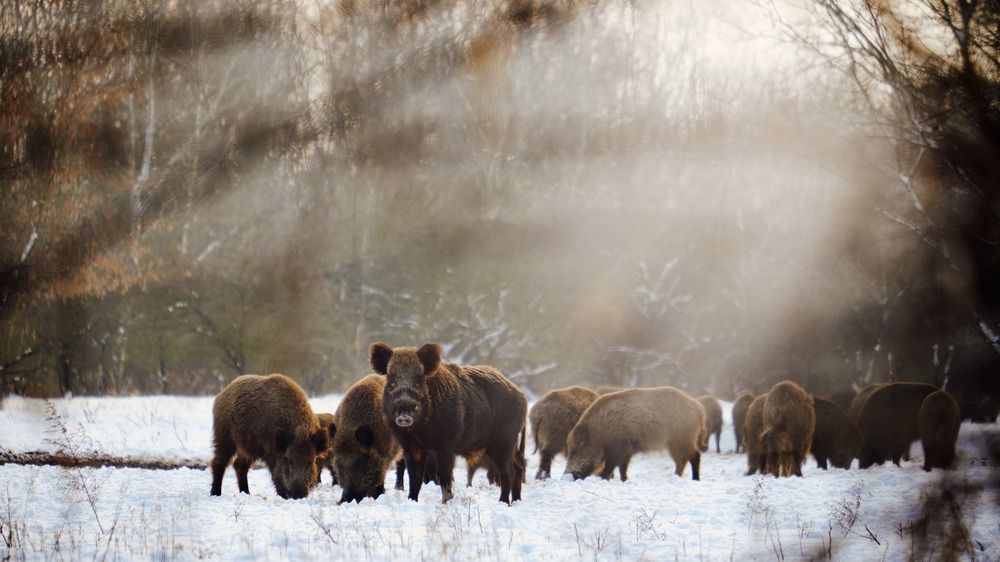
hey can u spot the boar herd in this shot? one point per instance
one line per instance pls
(417, 413)
(881, 422)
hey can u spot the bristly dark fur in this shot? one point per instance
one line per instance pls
(267, 418)
(753, 424)
(740, 407)
(620, 424)
(552, 418)
(789, 422)
(888, 420)
(454, 410)
(363, 446)
(939, 421)
(713, 418)
(836, 439)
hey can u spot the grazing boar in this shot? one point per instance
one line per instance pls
(552, 418)
(620, 424)
(713, 418)
(740, 407)
(449, 410)
(267, 417)
(939, 420)
(789, 422)
(363, 445)
(888, 420)
(753, 424)
(325, 460)
(836, 438)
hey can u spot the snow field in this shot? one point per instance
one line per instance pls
(48, 513)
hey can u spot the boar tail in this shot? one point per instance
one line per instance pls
(534, 435)
(703, 438)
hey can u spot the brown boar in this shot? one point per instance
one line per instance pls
(836, 438)
(449, 410)
(789, 423)
(740, 407)
(620, 424)
(753, 424)
(552, 418)
(325, 460)
(267, 417)
(363, 445)
(713, 418)
(860, 399)
(888, 420)
(939, 420)
(475, 461)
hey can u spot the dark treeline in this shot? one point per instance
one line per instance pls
(574, 192)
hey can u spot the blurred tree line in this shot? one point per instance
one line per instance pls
(574, 192)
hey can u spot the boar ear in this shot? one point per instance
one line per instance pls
(365, 436)
(430, 357)
(378, 356)
(321, 440)
(282, 441)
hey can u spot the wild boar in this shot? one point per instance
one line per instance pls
(888, 420)
(325, 460)
(740, 406)
(713, 418)
(789, 422)
(620, 424)
(753, 425)
(552, 418)
(449, 410)
(267, 417)
(363, 445)
(836, 438)
(939, 421)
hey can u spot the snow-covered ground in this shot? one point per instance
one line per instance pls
(51, 513)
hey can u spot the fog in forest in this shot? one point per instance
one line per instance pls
(603, 193)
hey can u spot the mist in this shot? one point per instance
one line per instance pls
(628, 194)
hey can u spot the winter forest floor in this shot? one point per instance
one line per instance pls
(55, 513)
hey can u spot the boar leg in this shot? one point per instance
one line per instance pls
(695, 461)
(415, 461)
(623, 469)
(445, 474)
(517, 477)
(772, 464)
(400, 470)
(679, 462)
(503, 458)
(224, 451)
(242, 466)
(545, 465)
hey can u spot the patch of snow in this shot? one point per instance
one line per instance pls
(655, 515)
